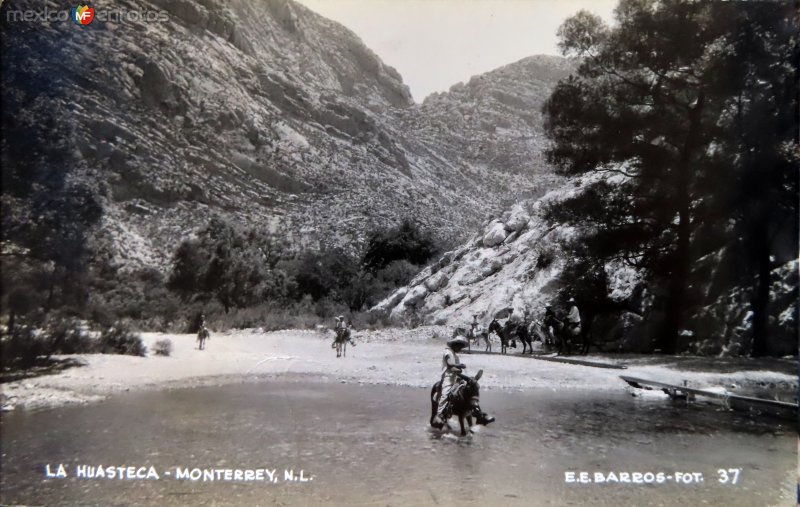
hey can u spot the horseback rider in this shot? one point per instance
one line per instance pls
(341, 325)
(202, 331)
(342, 330)
(474, 327)
(549, 321)
(574, 318)
(451, 367)
(338, 329)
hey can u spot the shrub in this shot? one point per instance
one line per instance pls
(269, 317)
(406, 241)
(370, 320)
(163, 347)
(70, 337)
(545, 259)
(23, 346)
(120, 340)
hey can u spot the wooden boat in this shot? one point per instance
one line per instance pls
(733, 401)
(539, 356)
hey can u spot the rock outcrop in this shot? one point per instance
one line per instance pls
(516, 262)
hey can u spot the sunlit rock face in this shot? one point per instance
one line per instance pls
(267, 113)
(515, 261)
(512, 262)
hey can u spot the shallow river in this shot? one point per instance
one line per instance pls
(371, 445)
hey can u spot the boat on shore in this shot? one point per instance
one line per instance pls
(753, 405)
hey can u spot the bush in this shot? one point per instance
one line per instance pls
(120, 340)
(23, 346)
(269, 317)
(370, 320)
(70, 337)
(545, 259)
(163, 347)
(406, 241)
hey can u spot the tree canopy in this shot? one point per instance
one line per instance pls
(684, 113)
(237, 267)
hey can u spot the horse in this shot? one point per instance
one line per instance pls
(340, 342)
(464, 402)
(520, 330)
(567, 335)
(473, 335)
(505, 333)
(202, 336)
(539, 333)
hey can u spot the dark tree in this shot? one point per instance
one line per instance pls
(761, 150)
(650, 113)
(238, 268)
(405, 242)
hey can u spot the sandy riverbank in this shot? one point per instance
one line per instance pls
(391, 356)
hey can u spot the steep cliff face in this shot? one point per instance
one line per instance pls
(492, 126)
(512, 262)
(263, 112)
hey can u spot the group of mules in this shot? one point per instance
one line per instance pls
(553, 333)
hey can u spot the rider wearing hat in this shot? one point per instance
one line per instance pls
(342, 330)
(549, 321)
(338, 328)
(341, 325)
(473, 327)
(573, 317)
(451, 367)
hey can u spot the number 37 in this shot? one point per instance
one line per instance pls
(729, 476)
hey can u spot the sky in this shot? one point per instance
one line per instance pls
(435, 44)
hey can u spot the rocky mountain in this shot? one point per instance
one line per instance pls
(492, 126)
(516, 261)
(264, 112)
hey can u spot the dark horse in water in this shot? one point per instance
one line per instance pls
(509, 333)
(464, 402)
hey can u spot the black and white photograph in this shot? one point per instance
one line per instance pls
(399, 253)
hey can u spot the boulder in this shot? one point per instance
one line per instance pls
(497, 234)
(436, 281)
(415, 296)
(387, 304)
(490, 267)
(517, 220)
(435, 302)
